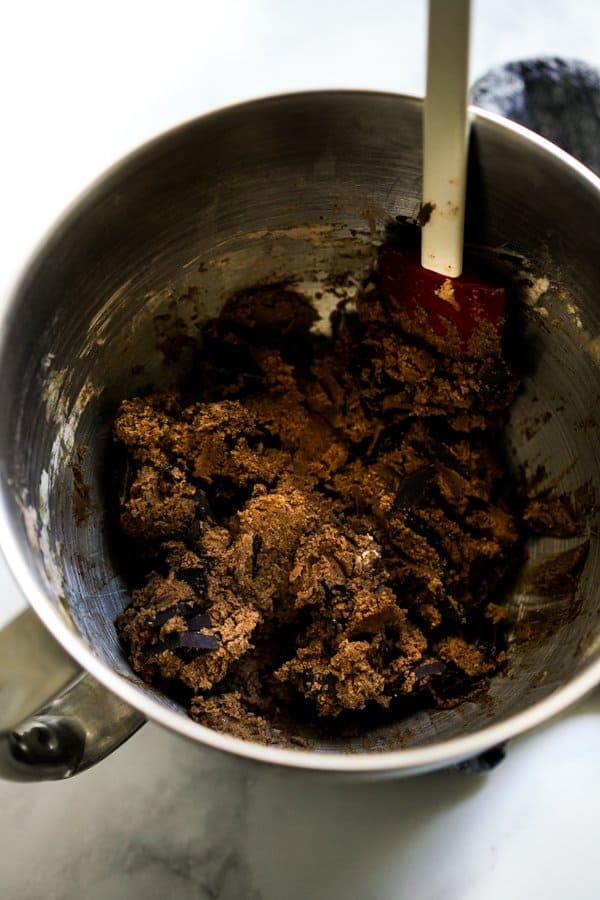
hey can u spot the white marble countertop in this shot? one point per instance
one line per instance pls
(83, 84)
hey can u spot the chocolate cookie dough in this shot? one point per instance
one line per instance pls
(324, 523)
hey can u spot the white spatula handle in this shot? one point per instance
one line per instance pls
(445, 136)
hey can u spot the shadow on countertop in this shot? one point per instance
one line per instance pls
(163, 818)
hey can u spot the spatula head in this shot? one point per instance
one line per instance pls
(457, 316)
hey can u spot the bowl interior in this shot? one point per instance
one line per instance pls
(299, 188)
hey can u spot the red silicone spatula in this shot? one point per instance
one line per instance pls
(458, 313)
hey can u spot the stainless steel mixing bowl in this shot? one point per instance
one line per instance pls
(297, 186)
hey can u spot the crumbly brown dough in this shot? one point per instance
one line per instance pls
(324, 524)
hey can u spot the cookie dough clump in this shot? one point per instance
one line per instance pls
(323, 524)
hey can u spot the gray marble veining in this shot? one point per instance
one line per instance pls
(163, 818)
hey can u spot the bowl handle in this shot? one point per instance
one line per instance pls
(55, 720)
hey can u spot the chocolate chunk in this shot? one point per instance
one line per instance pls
(195, 577)
(413, 488)
(190, 640)
(183, 642)
(204, 511)
(186, 610)
(455, 685)
(197, 623)
(432, 668)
